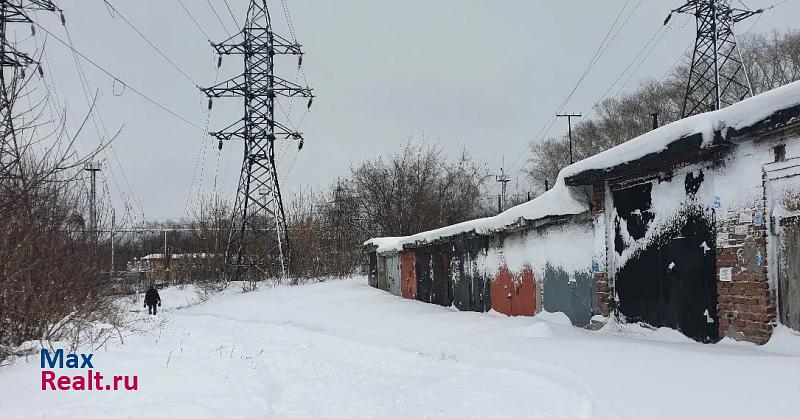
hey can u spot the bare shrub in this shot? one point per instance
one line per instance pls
(51, 285)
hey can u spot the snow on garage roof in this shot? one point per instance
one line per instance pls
(566, 200)
(733, 118)
(560, 200)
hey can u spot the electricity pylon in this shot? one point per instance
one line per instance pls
(12, 72)
(717, 76)
(258, 244)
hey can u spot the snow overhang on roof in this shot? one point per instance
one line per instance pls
(561, 200)
(699, 136)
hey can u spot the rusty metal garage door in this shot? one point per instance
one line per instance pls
(408, 274)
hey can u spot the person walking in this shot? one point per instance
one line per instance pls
(151, 298)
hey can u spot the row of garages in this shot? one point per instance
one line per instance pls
(470, 272)
(692, 226)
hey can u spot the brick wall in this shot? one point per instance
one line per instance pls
(746, 304)
(604, 293)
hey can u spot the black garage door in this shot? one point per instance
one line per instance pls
(672, 281)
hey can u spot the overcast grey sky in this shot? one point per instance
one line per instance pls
(479, 74)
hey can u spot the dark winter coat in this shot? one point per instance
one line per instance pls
(151, 297)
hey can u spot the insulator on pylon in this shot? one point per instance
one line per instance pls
(63, 19)
(41, 72)
(310, 101)
(219, 61)
(22, 73)
(33, 30)
(300, 61)
(210, 103)
(219, 146)
(300, 145)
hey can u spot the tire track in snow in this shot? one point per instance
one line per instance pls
(466, 359)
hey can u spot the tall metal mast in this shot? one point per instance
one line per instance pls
(717, 76)
(12, 72)
(258, 245)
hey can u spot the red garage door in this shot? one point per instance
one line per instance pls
(514, 294)
(408, 276)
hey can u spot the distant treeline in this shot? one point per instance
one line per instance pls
(771, 60)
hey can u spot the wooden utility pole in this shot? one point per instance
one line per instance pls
(569, 117)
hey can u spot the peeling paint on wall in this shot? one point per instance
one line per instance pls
(665, 261)
(470, 283)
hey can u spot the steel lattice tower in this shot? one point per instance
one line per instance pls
(12, 72)
(258, 245)
(717, 76)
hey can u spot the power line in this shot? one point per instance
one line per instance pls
(595, 58)
(153, 45)
(96, 112)
(196, 23)
(630, 64)
(127, 85)
(291, 166)
(201, 156)
(214, 10)
(641, 63)
(288, 16)
(53, 94)
(53, 106)
(228, 6)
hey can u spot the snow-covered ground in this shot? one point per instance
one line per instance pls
(341, 349)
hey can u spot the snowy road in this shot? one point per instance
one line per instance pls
(341, 349)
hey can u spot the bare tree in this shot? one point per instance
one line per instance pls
(414, 190)
(51, 283)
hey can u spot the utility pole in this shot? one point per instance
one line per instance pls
(258, 244)
(12, 73)
(569, 117)
(166, 258)
(93, 168)
(113, 220)
(503, 179)
(717, 76)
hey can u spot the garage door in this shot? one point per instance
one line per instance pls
(670, 282)
(789, 273)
